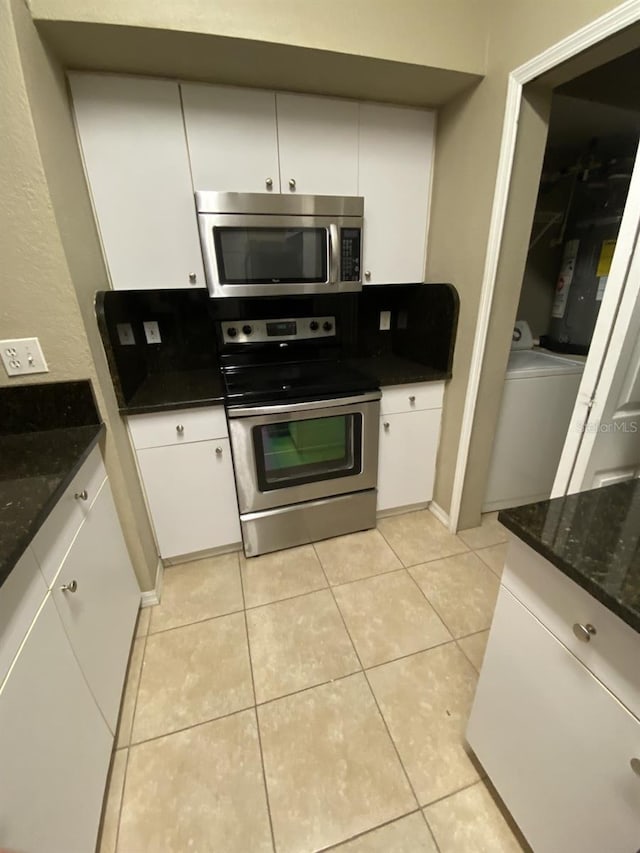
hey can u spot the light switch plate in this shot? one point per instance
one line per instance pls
(385, 321)
(21, 356)
(152, 331)
(125, 334)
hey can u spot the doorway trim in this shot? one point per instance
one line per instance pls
(609, 24)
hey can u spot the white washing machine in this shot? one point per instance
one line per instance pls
(540, 390)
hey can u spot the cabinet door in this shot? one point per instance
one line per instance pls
(407, 458)
(395, 162)
(135, 155)
(318, 142)
(99, 617)
(192, 496)
(233, 142)
(554, 741)
(54, 748)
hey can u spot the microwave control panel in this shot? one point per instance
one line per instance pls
(288, 329)
(350, 251)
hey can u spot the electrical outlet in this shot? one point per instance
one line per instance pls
(22, 355)
(385, 321)
(125, 334)
(152, 331)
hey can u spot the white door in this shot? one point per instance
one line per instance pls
(192, 496)
(396, 156)
(100, 616)
(232, 136)
(135, 155)
(603, 442)
(556, 743)
(408, 447)
(318, 141)
(54, 748)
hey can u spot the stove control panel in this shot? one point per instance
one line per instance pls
(289, 329)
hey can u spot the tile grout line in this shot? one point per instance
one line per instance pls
(255, 709)
(128, 744)
(195, 622)
(365, 832)
(384, 722)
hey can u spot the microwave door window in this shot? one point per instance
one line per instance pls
(271, 255)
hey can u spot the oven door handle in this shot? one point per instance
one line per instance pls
(307, 406)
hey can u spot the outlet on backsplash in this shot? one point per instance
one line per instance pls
(22, 355)
(152, 331)
(385, 321)
(125, 334)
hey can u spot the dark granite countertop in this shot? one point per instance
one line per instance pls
(46, 433)
(179, 389)
(593, 537)
(389, 369)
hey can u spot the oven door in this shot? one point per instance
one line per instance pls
(272, 255)
(287, 454)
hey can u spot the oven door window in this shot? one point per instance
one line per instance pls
(271, 255)
(291, 453)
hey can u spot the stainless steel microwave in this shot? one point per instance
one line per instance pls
(256, 244)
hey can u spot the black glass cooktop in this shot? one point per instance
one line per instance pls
(279, 383)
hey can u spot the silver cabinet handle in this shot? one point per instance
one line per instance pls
(367, 274)
(218, 451)
(269, 183)
(635, 765)
(386, 424)
(412, 399)
(82, 496)
(192, 278)
(292, 183)
(72, 586)
(180, 429)
(584, 632)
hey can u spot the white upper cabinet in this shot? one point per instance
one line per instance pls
(135, 154)
(395, 163)
(318, 143)
(232, 136)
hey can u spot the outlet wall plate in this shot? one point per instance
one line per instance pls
(125, 334)
(21, 356)
(152, 331)
(385, 321)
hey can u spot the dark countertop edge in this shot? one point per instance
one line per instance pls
(13, 557)
(171, 406)
(175, 405)
(629, 616)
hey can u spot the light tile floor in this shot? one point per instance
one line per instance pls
(313, 699)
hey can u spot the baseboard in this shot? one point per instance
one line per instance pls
(153, 596)
(202, 555)
(440, 514)
(401, 510)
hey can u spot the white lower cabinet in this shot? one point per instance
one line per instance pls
(192, 496)
(54, 747)
(554, 740)
(100, 615)
(408, 444)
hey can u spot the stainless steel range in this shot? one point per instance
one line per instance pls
(304, 432)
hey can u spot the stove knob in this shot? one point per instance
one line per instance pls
(247, 330)
(313, 325)
(232, 332)
(327, 326)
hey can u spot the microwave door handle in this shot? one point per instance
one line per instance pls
(334, 254)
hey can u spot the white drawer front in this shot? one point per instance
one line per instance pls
(179, 427)
(409, 398)
(612, 653)
(54, 538)
(21, 595)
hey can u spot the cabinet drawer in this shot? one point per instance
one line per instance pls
(20, 597)
(179, 427)
(409, 398)
(613, 651)
(57, 533)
